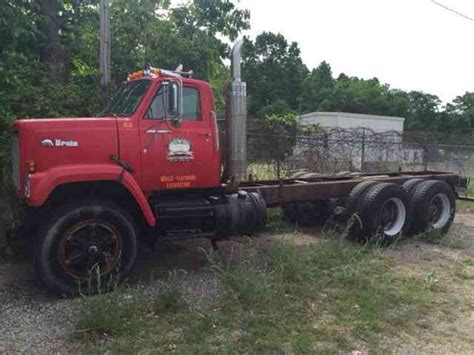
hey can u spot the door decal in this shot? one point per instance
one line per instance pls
(180, 150)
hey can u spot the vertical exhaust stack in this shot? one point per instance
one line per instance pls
(236, 119)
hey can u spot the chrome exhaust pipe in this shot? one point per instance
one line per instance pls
(236, 120)
(236, 57)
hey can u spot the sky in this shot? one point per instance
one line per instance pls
(409, 44)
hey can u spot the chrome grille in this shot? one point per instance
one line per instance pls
(16, 160)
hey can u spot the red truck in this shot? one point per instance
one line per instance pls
(150, 167)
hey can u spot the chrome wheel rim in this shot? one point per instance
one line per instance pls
(439, 211)
(393, 216)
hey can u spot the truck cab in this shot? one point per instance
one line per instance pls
(163, 129)
(167, 129)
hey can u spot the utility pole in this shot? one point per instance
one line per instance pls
(104, 55)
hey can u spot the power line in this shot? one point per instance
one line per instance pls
(453, 11)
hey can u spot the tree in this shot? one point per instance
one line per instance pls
(274, 71)
(424, 112)
(318, 89)
(460, 114)
(193, 35)
(51, 52)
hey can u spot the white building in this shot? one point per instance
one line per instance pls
(361, 142)
(354, 120)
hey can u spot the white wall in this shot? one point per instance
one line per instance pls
(390, 152)
(354, 120)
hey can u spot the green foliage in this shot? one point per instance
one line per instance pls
(110, 314)
(169, 298)
(277, 298)
(274, 71)
(280, 83)
(466, 206)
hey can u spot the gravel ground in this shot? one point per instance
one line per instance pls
(32, 321)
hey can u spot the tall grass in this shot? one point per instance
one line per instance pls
(333, 296)
(465, 206)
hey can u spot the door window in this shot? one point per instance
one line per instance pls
(191, 106)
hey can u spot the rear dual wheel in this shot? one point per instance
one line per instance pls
(434, 207)
(389, 211)
(378, 210)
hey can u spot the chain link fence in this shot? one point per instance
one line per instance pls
(359, 150)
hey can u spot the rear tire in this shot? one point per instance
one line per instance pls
(350, 215)
(85, 247)
(411, 184)
(434, 207)
(356, 194)
(384, 213)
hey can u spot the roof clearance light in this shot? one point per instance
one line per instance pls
(136, 75)
(142, 73)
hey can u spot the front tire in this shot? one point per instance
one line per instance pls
(85, 247)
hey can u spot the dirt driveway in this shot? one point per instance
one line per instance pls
(33, 322)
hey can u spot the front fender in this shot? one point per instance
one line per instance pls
(43, 184)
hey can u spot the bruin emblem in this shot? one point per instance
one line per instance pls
(59, 143)
(180, 150)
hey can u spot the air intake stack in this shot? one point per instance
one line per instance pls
(236, 119)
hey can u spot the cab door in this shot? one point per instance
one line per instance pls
(178, 149)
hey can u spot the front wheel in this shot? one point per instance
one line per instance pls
(85, 247)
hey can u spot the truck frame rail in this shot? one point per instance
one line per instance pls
(280, 192)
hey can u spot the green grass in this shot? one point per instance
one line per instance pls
(465, 206)
(333, 296)
(276, 222)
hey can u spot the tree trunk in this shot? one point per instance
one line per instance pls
(51, 53)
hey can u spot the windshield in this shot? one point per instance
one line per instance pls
(127, 99)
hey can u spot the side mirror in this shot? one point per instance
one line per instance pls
(174, 101)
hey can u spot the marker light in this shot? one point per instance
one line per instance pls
(30, 166)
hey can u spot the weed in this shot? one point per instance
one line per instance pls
(466, 206)
(276, 222)
(434, 236)
(97, 283)
(327, 297)
(169, 297)
(114, 313)
(464, 269)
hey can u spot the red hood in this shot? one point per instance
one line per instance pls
(62, 141)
